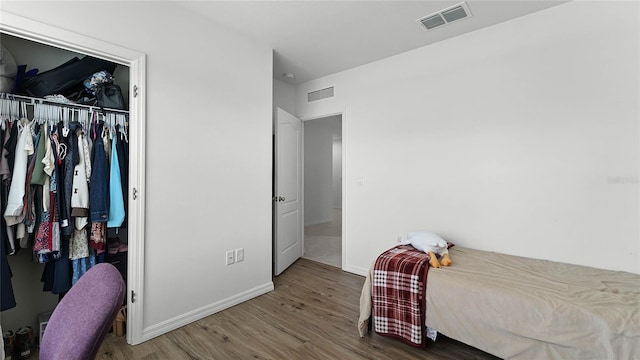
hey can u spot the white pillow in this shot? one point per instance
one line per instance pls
(427, 241)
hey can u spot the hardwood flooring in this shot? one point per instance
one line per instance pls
(311, 314)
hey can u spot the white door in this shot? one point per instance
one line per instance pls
(287, 197)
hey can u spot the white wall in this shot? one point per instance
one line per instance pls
(208, 165)
(284, 96)
(337, 173)
(521, 138)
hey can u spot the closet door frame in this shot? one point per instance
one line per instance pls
(49, 35)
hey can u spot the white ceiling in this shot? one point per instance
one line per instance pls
(312, 39)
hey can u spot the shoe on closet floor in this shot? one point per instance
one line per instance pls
(119, 324)
(9, 341)
(25, 342)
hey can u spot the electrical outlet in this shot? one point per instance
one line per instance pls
(239, 254)
(230, 257)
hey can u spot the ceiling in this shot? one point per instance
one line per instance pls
(312, 39)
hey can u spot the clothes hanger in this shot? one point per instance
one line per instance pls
(65, 123)
(121, 119)
(23, 106)
(112, 125)
(14, 109)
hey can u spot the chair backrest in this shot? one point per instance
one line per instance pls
(84, 316)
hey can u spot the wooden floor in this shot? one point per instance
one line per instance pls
(311, 314)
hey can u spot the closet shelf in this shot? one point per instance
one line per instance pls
(33, 101)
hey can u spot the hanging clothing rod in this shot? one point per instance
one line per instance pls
(32, 101)
(14, 107)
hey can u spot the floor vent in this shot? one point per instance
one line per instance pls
(320, 94)
(445, 16)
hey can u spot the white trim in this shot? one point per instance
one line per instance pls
(323, 116)
(46, 34)
(345, 176)
(355, 270)
(301, 184)
(197, 314)
(343, 121)
(137, 207)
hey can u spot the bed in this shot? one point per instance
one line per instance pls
(521, 308)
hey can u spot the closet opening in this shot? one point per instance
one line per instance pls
(323, 190)
(45, 47)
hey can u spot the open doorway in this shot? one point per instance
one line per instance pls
(323, 190)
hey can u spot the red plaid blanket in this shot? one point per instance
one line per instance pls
(398, 294)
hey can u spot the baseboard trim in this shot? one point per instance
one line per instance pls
(197, 314)
(355, 270)
(316, 222)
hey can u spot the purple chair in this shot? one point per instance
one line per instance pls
(84, 316)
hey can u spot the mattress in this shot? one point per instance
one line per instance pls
(522, 308)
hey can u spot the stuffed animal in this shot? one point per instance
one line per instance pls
(431, 244)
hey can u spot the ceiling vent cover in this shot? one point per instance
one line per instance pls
(320, 94)
(445, 16)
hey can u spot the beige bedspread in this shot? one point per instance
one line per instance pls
(521, 308)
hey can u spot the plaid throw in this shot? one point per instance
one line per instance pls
(398, 294)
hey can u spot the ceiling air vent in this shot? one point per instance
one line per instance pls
(445, 16)
(320, 94)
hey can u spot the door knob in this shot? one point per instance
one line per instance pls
(281, 198)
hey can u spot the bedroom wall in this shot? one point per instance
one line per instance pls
(208, 151)
(521, 138)
(284, 96)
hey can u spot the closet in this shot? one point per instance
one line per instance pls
(35, 293)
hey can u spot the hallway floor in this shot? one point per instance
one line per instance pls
(323, 242)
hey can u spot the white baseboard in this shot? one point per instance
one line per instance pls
(315, 222)
(197, 314)
(355, 270)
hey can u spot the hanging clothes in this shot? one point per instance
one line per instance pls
(116, 201)
(99, 189)
(9, 150)
(81, 266)
(29, 209)
(13, 212)
(64, 189)
(42, 244)
(38, 175)
(7, 298)
(71, 160)
(80, 183)
(122, 149)
(59, 147)
(98, 238)
(8, 157)
(5, 169)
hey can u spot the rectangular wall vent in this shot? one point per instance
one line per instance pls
(320, 94)
(445, 16)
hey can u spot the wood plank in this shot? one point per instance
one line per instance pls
(311, 314)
